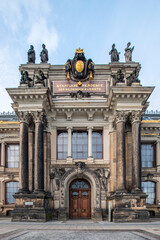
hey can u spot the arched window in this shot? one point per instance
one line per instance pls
(11, 189)
(149, 188)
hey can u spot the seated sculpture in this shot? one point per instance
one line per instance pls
(40, 78)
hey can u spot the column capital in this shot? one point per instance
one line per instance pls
(40, 117)
(89, 128)
(69, 128)
(121, 116)
(136, 116)
(24, 117)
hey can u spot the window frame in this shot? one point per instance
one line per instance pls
(6, 203)
(154, 153)
(58, 132)
(80, 131)
(101, 131)
(155, 192)
(6, 153)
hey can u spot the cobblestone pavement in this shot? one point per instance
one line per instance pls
(78, 235)
(79, 229)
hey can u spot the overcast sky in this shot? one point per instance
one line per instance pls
(93, 25)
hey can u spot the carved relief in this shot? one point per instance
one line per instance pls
(103, 176)
(80, 167)
(56, 174)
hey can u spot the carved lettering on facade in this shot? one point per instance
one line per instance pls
(63, 87)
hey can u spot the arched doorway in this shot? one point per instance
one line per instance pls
(80, 199)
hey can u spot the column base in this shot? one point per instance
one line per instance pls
(90, 160)
(129, 207)
(130, 215)
(69, 160)
(97, 214)
(36, 207)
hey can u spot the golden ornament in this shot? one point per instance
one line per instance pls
(79, 66)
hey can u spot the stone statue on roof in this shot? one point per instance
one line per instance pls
(128, 52)
(44, 54)
(31, 55)
(114, 54)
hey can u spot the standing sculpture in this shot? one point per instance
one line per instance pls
(44, 54)
(114, 54)
(128, 52)
(31, 55)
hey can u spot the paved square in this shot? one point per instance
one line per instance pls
(78, 235)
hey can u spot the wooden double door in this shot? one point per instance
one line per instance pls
(80, 199)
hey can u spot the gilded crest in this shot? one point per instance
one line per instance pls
(79, 68)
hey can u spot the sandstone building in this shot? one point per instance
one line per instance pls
(80, 144)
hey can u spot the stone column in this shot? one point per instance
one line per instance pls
(47, 158)
(136, 151)
(120, 137)
(39, 153)
(23, 158)
(31, 159)
(69, 157)
(3, 154)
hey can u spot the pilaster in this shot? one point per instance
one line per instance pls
(90, 157)
(69, 157)
(158, 155)
(3, 154)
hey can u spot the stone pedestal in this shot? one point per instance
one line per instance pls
(32, 208)
(97, 214)
(129, 207)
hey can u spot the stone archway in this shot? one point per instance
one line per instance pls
(87, 175)
(80, 199)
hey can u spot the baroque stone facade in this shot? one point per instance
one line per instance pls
(79, 139)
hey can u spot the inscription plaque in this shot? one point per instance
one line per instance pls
(68, 87)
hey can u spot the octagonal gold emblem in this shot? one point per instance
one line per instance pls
(79, 66)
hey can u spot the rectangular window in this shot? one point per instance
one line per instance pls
(79, 145)
(150, 189)
(97, 143)
(11, 189)
(148, 155)
(62, 144)
(12, 155)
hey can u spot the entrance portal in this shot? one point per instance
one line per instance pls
(80, 199)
